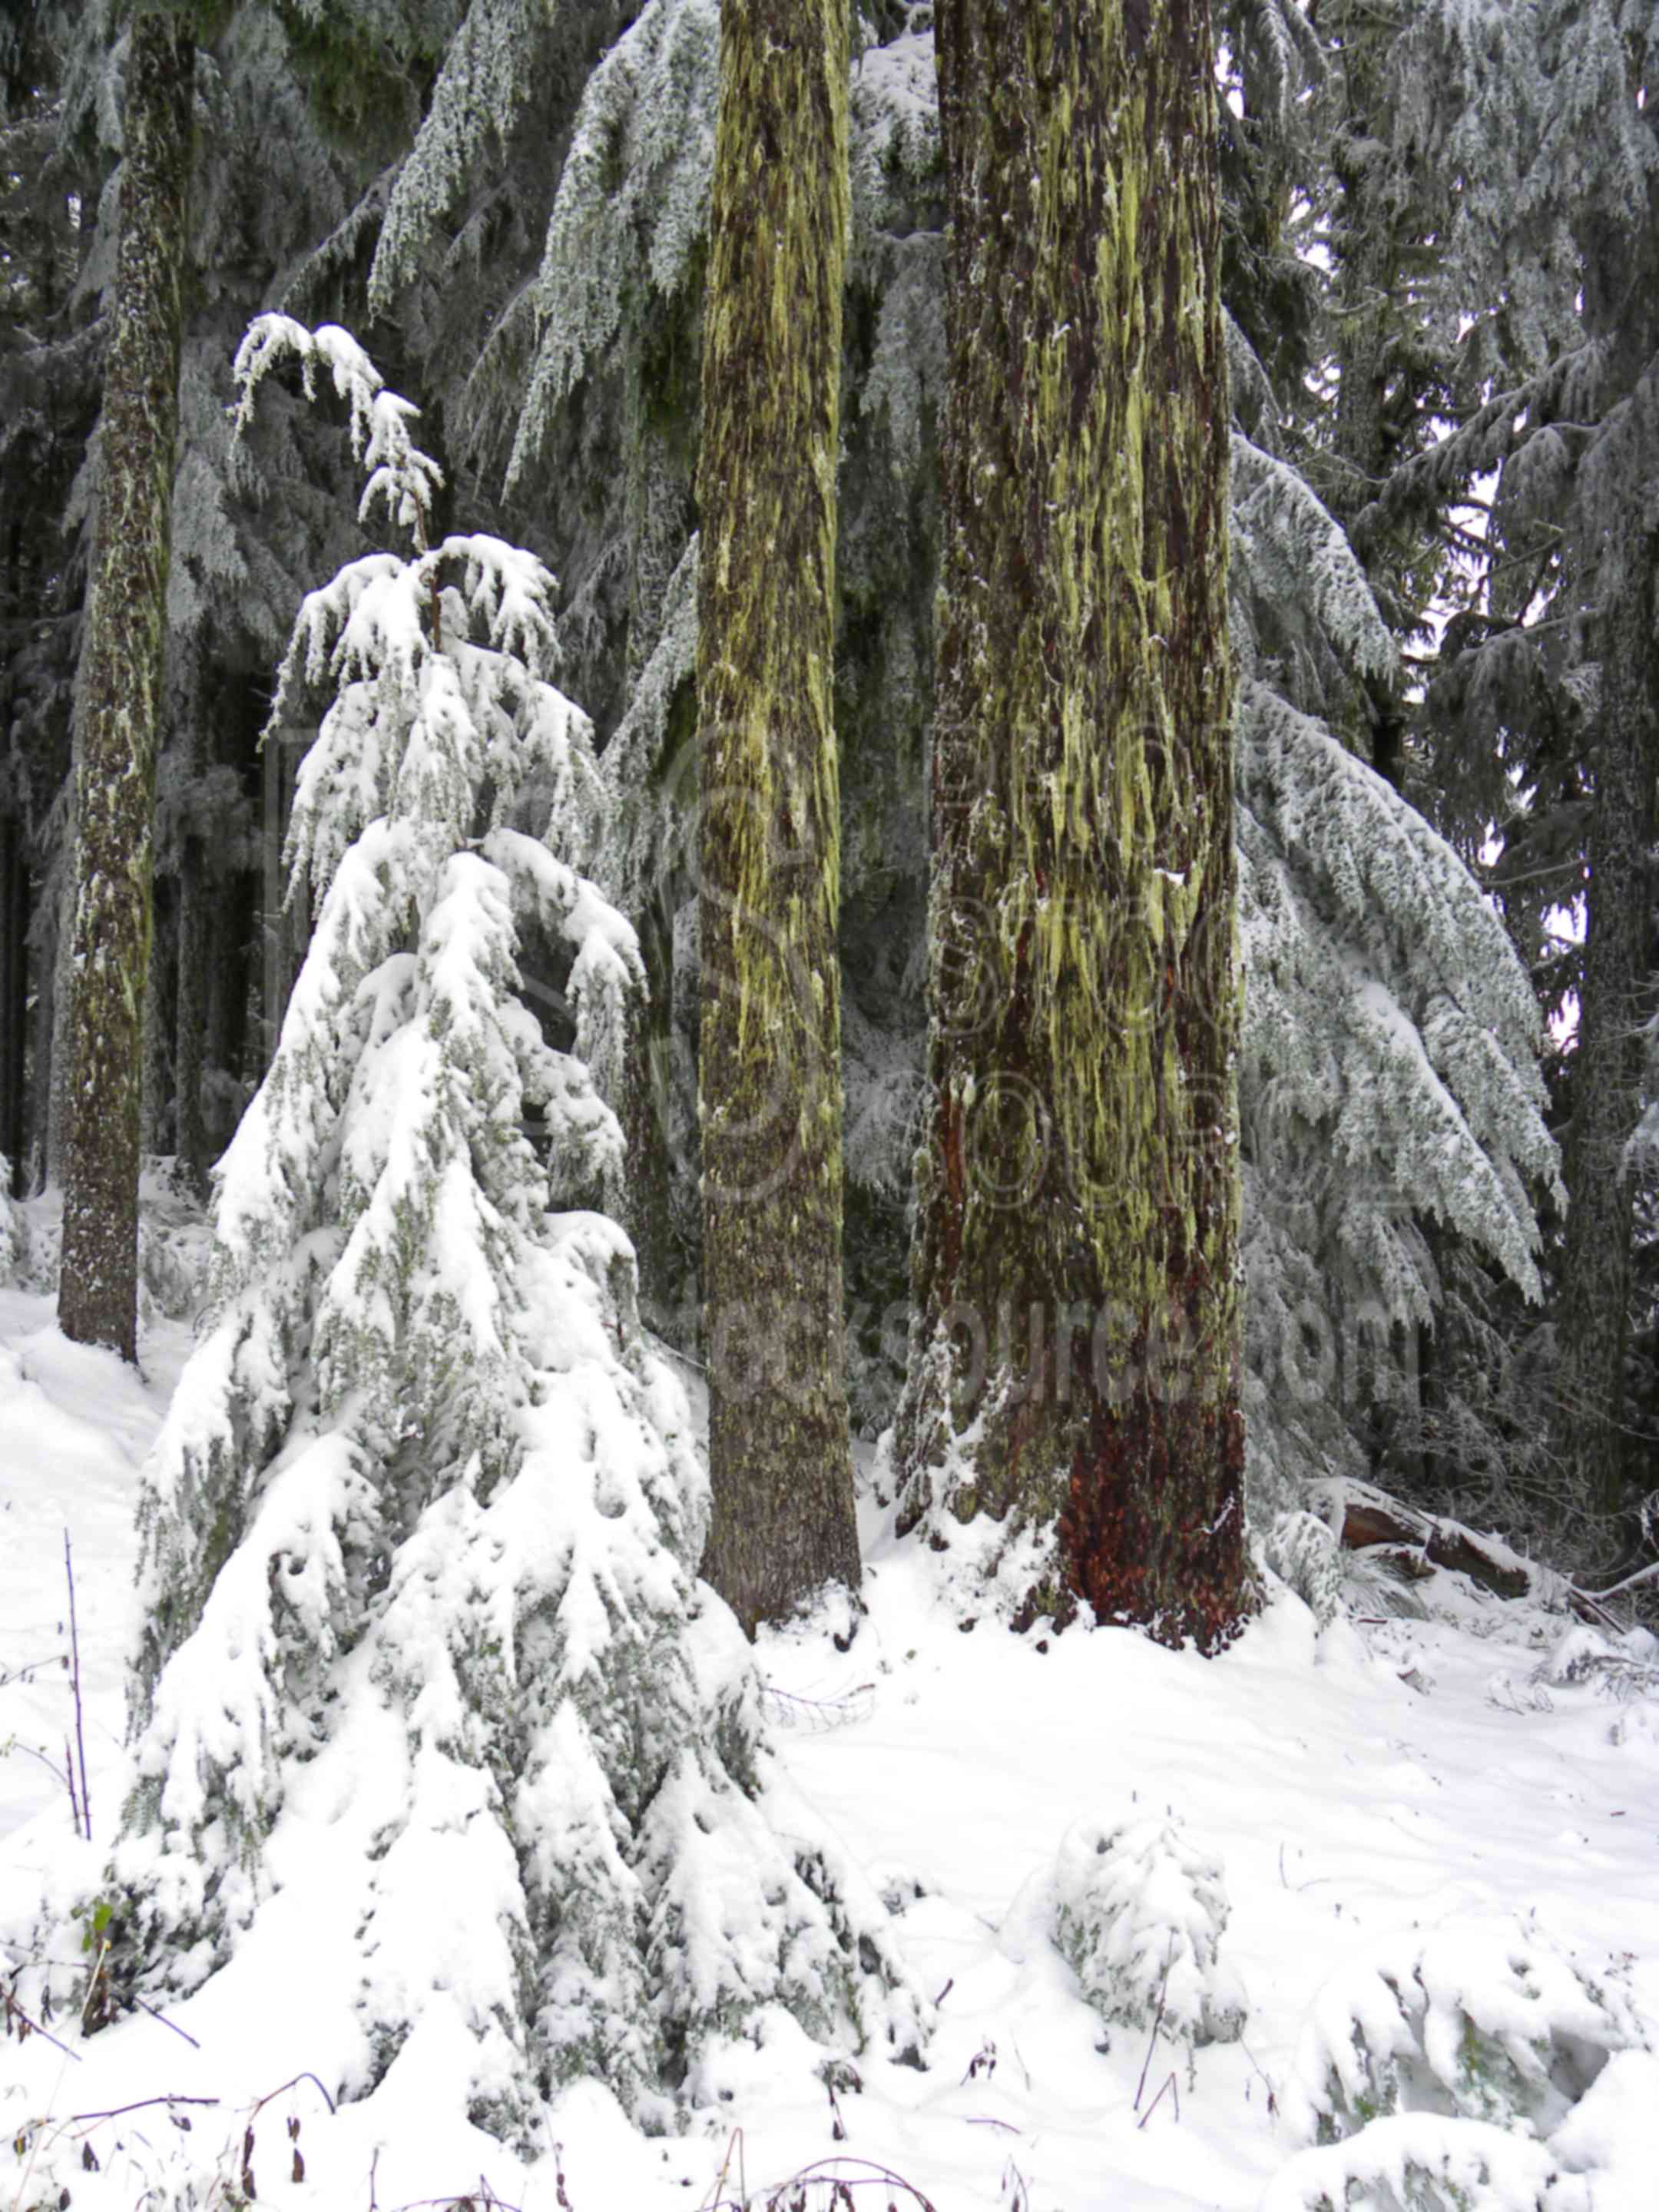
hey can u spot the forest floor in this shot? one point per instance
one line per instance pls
(1372, 1790)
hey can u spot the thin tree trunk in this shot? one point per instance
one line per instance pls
(13, 995)
(120, 698)
(769, 1086)
(1075, 1358)
(190, 1133)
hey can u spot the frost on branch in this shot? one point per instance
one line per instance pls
(419, 1538)
(1139, 1912)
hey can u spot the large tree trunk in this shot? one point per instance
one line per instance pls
(770, 1086)
(1619, 548)
(1614, 1004)
(1075, 1357)
(120, 698)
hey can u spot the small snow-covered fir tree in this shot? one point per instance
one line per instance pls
(421, 1533)
(1138, 1914)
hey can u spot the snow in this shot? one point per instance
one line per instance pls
(1409, 1861)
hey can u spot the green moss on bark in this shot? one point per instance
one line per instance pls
(1079, 1194)
(769, 1084)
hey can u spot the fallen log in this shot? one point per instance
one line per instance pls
(1415, 1543)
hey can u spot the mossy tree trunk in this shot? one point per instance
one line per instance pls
(1075, 1355)
(769, 1078)
(120, 699)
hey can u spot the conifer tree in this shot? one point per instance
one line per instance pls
(780, 1455)
(1547, 258)
(1074, 1380)
(120, 687)
(425, 1515)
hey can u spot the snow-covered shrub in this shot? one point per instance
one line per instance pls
(1494, 2026)
(174, 1243)
(1306, 1555)
(1624, 1669)
(1139, 1914)
(1420, 2162)
(420, 1536)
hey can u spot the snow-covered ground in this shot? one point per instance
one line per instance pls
(1373, 1792)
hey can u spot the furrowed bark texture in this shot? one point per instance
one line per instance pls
(190, 1016)
(1619, 542)
(120, 699)
(1614, 1004)
(14, 999)
(769, 1084)
(1079, 1194)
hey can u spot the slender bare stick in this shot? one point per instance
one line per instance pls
(142, 2105)
(69, 1777)
(1169, 2083)
(173, 2024)
(75, 1678)
(1157, 2022)
(15, 2011)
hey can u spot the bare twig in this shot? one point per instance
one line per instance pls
(69, 1777)
(1157, 2022)
(115, 2111)
(75, 1684)
(839, 2177)
(293, 2084)
(485, 2196)
(166, 2022)
(713, 2200)
(15, 2011)
(1169, 2083)
(1272, 2094)
(51, 1764)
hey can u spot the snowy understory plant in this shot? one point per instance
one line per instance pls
(1452, 2074)
(424, 1654)
(1139, 1913)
